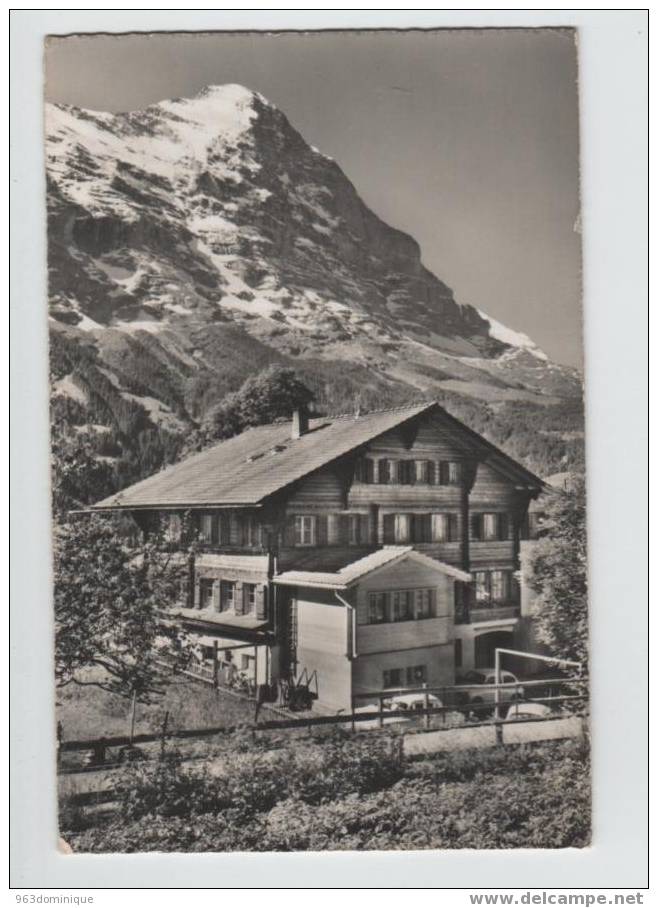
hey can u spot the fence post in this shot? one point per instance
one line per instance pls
(380, 720)
(497, 721)
(164, 733)
(215, 666)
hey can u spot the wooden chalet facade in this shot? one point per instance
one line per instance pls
(376, 551)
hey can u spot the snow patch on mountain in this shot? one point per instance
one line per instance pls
(513, 338)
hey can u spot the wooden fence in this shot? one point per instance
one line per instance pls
(100, 746)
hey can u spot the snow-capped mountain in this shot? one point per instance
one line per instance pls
(199, 239)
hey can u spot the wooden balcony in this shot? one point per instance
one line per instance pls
(480, 612)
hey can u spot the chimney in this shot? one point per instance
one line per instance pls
(299, 422)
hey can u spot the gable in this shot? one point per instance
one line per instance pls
(251, 467)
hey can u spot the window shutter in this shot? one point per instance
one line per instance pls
(238, 598)
(216, 596)
(343, 529)
(421, 527)
(321, 529)
(359, 470)
(261, 604)
(384, 471)
(503, 526)
(389, 529)
(289, 532)
(430, 472)
(453, 531)
(427, 528)
(368, 470)
(398, 470)
(476, 526)
(197, 593)
(444, 473)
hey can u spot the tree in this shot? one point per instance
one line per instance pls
(111, 623)
(558, 575)
(79, 476)
(263, 398)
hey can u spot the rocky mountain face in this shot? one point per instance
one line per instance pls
(199, 240)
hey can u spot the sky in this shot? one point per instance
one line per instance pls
(465, 139)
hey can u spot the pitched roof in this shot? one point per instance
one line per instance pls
(246, 469)
(357, 570)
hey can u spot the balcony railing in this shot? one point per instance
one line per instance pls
(482, 610)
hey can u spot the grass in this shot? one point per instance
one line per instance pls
(89, 712)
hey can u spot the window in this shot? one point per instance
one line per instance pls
(305, 530)
(400, 605)
(492, 586)
(424, 604)
(406, 472)
(377, 611)
(425, 471)
(174, 527)
(402, 528)
(206, 588)
(355, 529)
(249, 598)
(481, 579)
(499, 586)
(444, 527)
(490, 527)
(403, 606)
(209, 528)
(450, 473)
(416, 674)
(227, 596)
(251, 531)
(454, 473)
(392, 677)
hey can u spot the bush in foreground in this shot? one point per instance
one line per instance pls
(356, 796)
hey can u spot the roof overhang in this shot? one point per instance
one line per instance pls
(219, 624)
(354, 573)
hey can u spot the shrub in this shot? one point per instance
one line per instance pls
(164, 788)
(340, 768)
(354, 795)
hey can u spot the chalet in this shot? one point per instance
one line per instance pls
(372, 551)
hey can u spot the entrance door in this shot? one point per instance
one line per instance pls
(486, 645)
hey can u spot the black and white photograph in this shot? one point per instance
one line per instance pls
(329, 504)
(317, 436)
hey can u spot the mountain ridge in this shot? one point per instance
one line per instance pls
(198, 240)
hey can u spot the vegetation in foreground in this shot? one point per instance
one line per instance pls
(349, 794)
